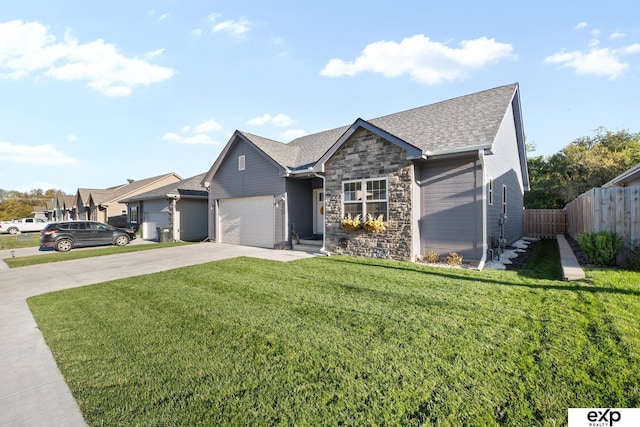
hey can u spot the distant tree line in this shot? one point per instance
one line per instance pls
(17, 204)
(587, 162)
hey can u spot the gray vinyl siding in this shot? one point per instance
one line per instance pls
(451, 208)
(503, 167)
(261, 177)
(193, 219)
(300, 197)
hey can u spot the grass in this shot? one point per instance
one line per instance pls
(53, 256)
(10, 241)
(337, 340)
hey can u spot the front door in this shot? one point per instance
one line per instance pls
(318, 211)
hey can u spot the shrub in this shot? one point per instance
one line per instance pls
(602, 248)
(454, 259)
(633, 262)
(432, 257)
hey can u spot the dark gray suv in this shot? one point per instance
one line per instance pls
(63, 236)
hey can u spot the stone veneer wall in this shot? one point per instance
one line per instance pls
(365, 156)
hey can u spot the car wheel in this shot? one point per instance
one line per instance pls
(63, 245)
(12, 230)
(122, 240)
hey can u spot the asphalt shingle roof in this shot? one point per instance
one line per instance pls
(187, 187)
(458, 123)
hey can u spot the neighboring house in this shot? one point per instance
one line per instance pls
(444, 177)
(180, 206)
(40, 212)
(64, 208)
(629, 178)
(103, 204)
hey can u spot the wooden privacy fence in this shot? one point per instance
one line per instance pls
(614, 209)
(544, 223)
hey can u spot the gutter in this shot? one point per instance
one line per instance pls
(485, 248)
(323, 249)
(459, 150)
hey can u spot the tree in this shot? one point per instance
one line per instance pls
(16, 204)
(585, 163)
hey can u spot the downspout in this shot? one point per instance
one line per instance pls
(485, 248)
(323, 249)
(175, 228)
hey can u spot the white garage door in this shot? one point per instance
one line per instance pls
(247, 221)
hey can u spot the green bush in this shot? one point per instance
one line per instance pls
(602, 248)
(633, 262)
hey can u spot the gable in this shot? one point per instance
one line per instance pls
(411, 151)
(260, 175)
(241, 144)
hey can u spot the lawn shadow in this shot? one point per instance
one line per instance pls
(476, 277)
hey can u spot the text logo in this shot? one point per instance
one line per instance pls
(604, 417)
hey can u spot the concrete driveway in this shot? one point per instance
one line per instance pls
(32, 390)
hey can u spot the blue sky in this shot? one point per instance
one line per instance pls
(94, 92)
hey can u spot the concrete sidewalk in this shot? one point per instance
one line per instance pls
(32, 389)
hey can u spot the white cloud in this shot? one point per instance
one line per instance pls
(278, 120)
(631, 49)
(426, 61)
(28, 47)
(580, 26)
(260, 120)
(196, 32)
(291, 134)
(72, 137)
(208, 126)
(33, 155)
(617, 35)
(154, 53)
(233, 27)
(597, 61)
(198, 134)
(163, 17)
(171, 136)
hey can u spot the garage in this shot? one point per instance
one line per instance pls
(150, 223)
(247, 221)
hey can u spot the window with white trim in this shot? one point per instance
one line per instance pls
(504, 199)
(490, 195)
(241, 163)
(373, 200)
(133, 214)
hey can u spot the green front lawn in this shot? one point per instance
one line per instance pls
(337, 340)
(26, 240)
(80, 253)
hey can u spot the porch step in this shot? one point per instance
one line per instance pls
(311, 246)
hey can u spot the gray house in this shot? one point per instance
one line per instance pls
(180, 206)
(628, 178)
(444, 177)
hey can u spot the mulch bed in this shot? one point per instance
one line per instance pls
(518, 262)
(582, 257)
